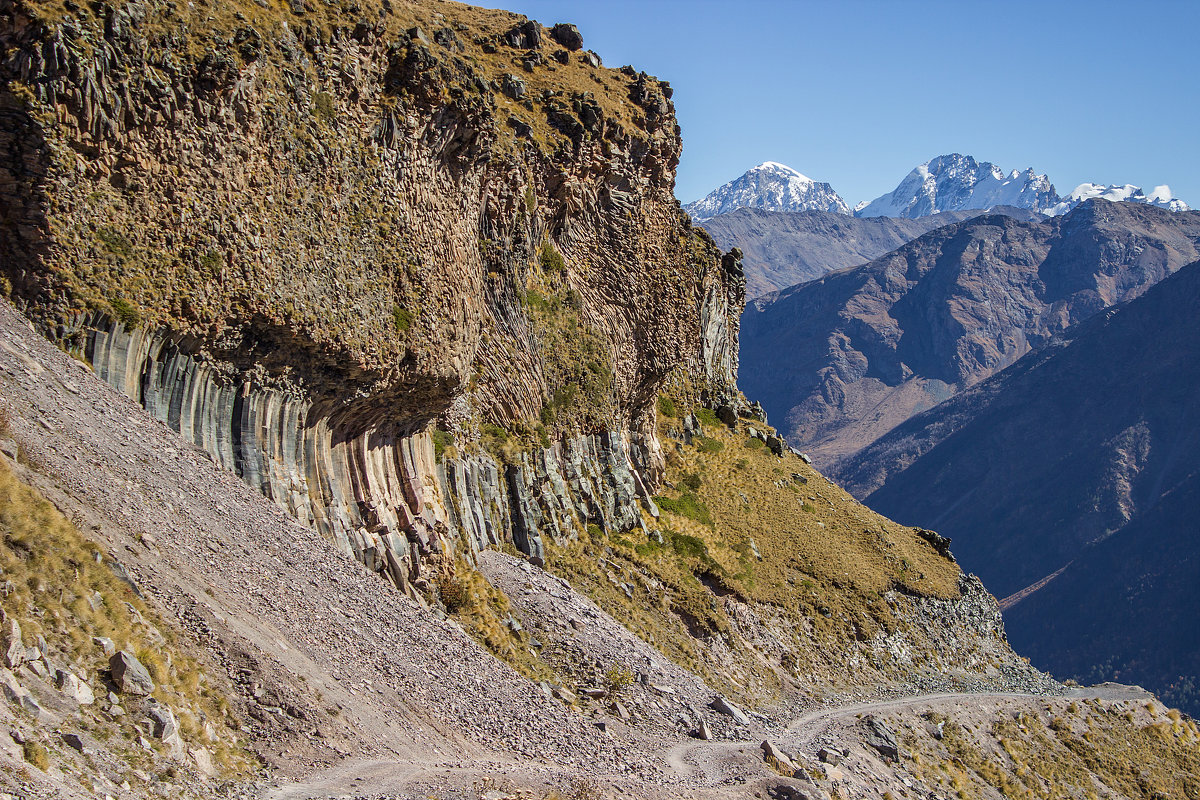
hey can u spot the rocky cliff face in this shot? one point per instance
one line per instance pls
(839, 362)
(385, 497)
(304, 241)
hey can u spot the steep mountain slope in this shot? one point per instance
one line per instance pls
(956, 182)
(769, 187)
(1126, 608)
(840, 361)
(335, 300)
(1081, 455)
(781, 249)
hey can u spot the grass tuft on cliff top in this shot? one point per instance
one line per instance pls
(243, 31)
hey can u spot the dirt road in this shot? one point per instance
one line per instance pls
(703, 762)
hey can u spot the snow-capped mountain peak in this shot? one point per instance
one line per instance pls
(956, 182)
(1159, 196)
(770, 186)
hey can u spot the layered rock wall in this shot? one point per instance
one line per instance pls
(385, 498)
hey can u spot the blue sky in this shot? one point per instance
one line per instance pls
(857, 93)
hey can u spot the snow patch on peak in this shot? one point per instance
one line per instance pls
(1160, 193)
(775, 166)
(1160, 196)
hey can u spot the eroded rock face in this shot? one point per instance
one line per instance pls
(351, 207)
(298, 239)
(383, 497)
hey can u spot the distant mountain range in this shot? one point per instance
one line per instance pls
(770, 187)
(840, 361)
(1028, 388)
(782, 248)
(1075, 472)
(952, 182)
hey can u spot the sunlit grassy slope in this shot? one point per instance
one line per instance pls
(743, 530)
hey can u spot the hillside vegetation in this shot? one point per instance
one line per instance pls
(72, 613)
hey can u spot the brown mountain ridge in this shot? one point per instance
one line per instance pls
(1079, 458)
(840, 361)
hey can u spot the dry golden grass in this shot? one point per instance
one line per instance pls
(1028, 757)
(823, 570)
(482, 610)
(842, 547)
(58, 585)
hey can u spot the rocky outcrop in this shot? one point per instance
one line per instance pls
(303, 241)
(842, 360)
(354, 207)
(383, 497)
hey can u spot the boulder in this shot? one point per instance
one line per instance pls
(936, 731)
(130, 676)
(513, 87)
(775, 445)
(727, 415)
(104, 643)
(204, 762)
(77, 741)
(74, 688)
(591, 59)
(567, 35)
(418, 35)
(880, 737)
(531, 59)
(723, 706)
(526, 36)
(938, 542)
(448, 39)
(782, 761)
(827, 756)
(166, 728)
(11, 646)
(785, 792)
(17, 694)
(703, 731)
